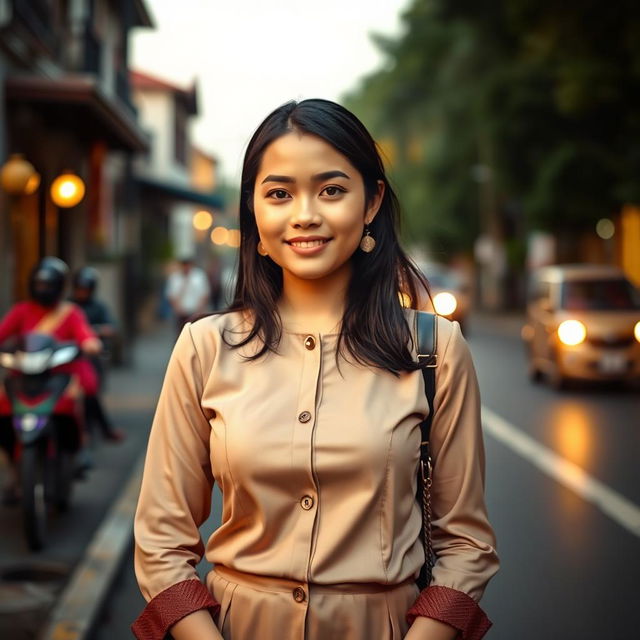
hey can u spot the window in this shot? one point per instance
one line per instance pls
(600, 295)
(180, 143)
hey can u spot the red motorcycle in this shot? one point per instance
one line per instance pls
(42, 417)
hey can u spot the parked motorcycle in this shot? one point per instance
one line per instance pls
(44, 404)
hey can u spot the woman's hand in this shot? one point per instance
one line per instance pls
(198, 625)
(430, 629)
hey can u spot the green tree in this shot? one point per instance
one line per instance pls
(539, 97)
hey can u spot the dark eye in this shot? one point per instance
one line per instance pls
(278, 194)
(333, 191)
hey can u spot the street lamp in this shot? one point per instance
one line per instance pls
(18, 176)
(67, 190)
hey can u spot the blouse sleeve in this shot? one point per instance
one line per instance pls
(463, 540)
(175, 499)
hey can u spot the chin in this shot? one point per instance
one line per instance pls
(311, 272)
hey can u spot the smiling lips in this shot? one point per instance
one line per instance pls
(307, 245)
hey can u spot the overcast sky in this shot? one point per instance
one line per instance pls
(249, 56)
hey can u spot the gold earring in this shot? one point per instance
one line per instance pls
(261, 250)
(368, 243)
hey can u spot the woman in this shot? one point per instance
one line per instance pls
(303, 403)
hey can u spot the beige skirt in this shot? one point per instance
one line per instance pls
(260, 608)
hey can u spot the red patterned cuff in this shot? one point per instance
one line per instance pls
(452, 607)
(170, 606)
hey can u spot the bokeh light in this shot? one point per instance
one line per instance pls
(234, 238)
(202, 220)
(445, 303)
(219, 235)
(67, 190)
(605, 228)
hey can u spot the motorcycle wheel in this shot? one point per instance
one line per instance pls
(34, 504)
(63, 480)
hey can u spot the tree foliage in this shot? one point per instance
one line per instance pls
(539, 98)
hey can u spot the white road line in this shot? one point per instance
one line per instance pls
(570, 475)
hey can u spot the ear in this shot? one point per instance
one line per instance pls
(374, 204)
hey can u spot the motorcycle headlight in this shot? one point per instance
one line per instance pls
(636, 331)
(34, 362)
(572, 332)
(445, 303)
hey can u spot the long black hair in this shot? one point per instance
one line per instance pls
(374, 329)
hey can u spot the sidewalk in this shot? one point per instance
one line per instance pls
(137, 386)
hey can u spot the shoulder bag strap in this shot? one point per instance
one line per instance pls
(52, 320)
(427, 336)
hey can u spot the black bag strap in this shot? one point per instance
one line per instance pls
(427, 340)
(427, 333)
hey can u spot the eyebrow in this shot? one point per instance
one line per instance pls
(318, 177)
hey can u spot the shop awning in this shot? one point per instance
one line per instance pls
(77, 102)
(180, 192)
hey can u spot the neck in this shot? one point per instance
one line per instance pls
(314, 306)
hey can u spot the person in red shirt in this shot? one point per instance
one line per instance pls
(46, 312)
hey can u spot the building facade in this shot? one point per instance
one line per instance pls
(175, 180)
(67, 106)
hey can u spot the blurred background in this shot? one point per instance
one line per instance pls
(511, 131)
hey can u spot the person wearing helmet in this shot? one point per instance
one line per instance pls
(46, 312)
(85, 283)
(84, 286)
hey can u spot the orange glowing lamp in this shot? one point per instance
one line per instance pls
(18, 176)
(67, 190)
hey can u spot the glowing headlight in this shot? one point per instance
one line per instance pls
(34, 362)
(636, 331)
(572, 332)
(445, 303)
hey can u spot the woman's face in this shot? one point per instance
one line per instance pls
(309, 205)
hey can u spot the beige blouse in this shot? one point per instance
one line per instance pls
(316, 464)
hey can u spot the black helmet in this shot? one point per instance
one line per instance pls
(47, 281)
(86, 278)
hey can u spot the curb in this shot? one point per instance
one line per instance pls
(80, 603)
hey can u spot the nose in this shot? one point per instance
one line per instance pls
(305, 215)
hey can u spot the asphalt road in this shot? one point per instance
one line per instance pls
(569, 571)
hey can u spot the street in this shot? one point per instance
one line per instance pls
(569, 569)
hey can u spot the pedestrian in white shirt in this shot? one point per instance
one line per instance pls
(187, 291)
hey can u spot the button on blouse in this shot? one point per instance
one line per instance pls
(307, 503)
(299, 595)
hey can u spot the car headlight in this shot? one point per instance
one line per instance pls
(572, 332)
(636, 331)
(445, 303)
